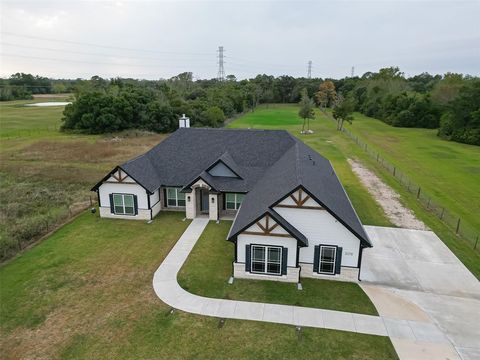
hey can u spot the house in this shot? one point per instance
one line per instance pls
(291, 216)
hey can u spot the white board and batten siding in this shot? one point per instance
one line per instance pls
(320, 227)
(243, 239)
(247, 239)
(155, 203)
(126, 186)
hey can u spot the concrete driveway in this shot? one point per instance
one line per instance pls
(411, 274)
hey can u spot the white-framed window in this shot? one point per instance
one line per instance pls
(123, 204)
(233, 200)
(327, 258)
(175, 198)
(266, 259)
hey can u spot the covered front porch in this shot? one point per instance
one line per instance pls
(203, 201)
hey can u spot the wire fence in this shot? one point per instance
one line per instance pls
(453, 221)
(36, 229)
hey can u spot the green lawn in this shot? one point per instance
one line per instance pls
(44, 171)
(337, 147)
(447, 171)
(209, 266)
(86, 293)
(20, 121)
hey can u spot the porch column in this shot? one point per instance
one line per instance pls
(191, 207)
(213, 206)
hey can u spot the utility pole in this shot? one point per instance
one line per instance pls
(221, 70)
(309, 71)
(353, 71)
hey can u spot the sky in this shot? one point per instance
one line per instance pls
(159, 39)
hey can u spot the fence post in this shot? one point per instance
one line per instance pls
(418, 192)
(441, 215)
(476, 242)
(458, 226)
(378, 156)
(394, 170)
(428, 204)
(90, 201)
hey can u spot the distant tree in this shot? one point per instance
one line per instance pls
(306, 111)
(214, 116)
(462, 120)
(447, 89)
(343, 111)
(326, 94)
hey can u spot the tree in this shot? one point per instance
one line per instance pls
(462, 121)
(343, 111)
(306, 111)
(326, 94)
(214, 116)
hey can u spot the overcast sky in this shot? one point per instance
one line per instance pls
(159, 39)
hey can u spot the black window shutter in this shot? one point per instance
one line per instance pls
(135, 204)
(112, 209)
(284, 260)
(338, 261)
(224, 201)
(316, 258)
(165, 197)
(248, 257)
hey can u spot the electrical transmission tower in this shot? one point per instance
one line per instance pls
(221, 70)
(309, 71)
(353, 71)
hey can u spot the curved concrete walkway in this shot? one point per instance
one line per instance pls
(169, 291)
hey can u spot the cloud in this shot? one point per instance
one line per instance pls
(153, 39)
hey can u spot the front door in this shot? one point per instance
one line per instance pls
(204, 201)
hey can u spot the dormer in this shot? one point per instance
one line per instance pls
(224, 167)
(220, 169)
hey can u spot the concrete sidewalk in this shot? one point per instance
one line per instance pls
(169, 291)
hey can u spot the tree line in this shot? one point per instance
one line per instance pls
(449, 103)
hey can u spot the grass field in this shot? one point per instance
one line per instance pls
(86, 293)
(337, 147)
(44, 173)
(209, 266)
(447, 171)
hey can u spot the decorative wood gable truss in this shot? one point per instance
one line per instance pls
(267, 226)
(299, 199)
(120, 176)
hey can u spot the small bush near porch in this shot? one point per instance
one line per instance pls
(209, 266)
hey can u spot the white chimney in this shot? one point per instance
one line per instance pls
(184, 122)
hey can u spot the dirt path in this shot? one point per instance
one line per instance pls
(388, 199)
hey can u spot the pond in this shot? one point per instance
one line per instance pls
(50, 103)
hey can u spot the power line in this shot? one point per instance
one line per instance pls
(309, 71)
(100, 46)
(353, 71)
(221, 70)
(87, 53)
(91, 62)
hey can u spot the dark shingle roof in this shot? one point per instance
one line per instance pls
(271, 164)
(300, 166)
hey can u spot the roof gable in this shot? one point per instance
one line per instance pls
(220, 169)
